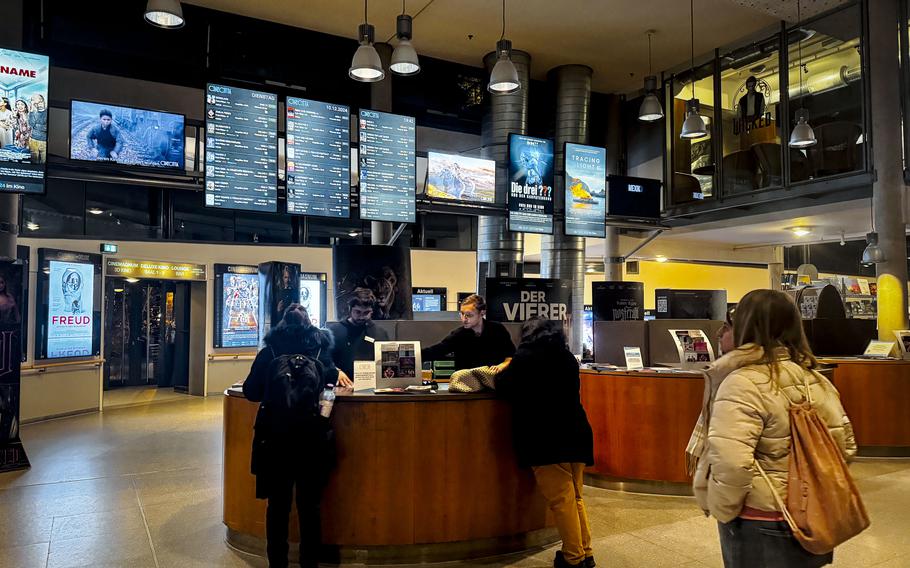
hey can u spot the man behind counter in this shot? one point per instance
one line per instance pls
(477, 343)
(355, 336)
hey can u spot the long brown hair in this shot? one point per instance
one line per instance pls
(770, 319)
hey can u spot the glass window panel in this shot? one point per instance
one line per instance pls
(122, 211)
(693, 159)
(827, 86)
(750, 89)
(325, 231)
(262, 227)
(195, 222)
(60, 212)
(450, 232)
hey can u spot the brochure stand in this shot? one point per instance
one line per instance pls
(903, 343)
(695, 351)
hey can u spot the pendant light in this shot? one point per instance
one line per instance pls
(366, 66)
(650, 110)
(803, 136)
(694, 125)
(873, 253)
(504, 77)
(404, 58)
(164, 14)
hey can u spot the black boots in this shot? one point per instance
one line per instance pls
(560, 562)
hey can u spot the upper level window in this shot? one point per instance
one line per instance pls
(693, 164)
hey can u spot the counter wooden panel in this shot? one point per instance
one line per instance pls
(411, 471)
(642, 422)
(876, 396)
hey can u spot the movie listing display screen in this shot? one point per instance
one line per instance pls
(318, 158)
(634, 198)
(530, 184)
(461, 178)
(237, 305)
(313, 296)
(241, 149)
(586, 190)
(23, 121)
(426, 302)
(69, 316)
(388, 167)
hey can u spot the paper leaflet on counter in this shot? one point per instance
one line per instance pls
(903, 342)
(879, 349)
(695, 351)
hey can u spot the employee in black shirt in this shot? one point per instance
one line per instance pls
(355, 335)
(477, 343)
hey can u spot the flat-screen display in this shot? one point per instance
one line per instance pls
(318, 158)
(461, 178)
(241, 149)
(127, 136)
(236, 305)
(586, 190)
(23, 121)
(313, 296)
(388, 168)
(633, 198)
(426, 302)
(587, 342)
(530, 184)
(69, 310)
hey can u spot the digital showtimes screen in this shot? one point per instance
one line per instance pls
(69, 304)
(23, 121)
(530, 184)
(586, 190)
(462, 178)
(237, 305)
(241, 149)
(634, 198)
(318, 158)
(127, 136)
(388, 169)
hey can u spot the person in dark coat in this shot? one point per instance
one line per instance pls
(551, 432)
(292, 445)
(477, 343)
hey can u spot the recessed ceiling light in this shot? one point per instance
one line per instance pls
(95, 210)
(132, 280)
(32, 226)
(661, 258)
(801, 231)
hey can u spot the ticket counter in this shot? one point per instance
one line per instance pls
(420, 478)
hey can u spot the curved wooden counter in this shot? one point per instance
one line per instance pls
(876, 396)
(642, 422)
(419, 478)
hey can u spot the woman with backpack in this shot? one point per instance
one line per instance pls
(292, 443)
(550, 430)
(748, 447)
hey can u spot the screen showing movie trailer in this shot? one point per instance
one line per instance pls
(530, 184)
(23, 121)
(388, 168)
(241, 149)
(426, 302)
(127, 136)
(71, 293)
(312, 298)
(634, 198)
(586, 190)
(238, 308)
(460, 178)
(318, 158)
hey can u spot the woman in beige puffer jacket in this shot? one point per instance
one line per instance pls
(750, 422)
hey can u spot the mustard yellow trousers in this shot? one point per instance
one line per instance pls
(561, 485)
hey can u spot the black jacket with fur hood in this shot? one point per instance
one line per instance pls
(306, 340)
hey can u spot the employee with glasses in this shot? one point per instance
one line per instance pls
(477, 343)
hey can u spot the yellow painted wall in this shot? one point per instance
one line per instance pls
(737, 281)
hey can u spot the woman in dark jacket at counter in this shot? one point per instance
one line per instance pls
(292, 442)
(551, 431)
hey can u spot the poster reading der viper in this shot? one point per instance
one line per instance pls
(586, 190)
(519, 299)
(530, 184)
(23, 121)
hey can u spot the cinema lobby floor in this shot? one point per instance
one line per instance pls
(141, 486)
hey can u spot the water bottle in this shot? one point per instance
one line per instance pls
(327, 401)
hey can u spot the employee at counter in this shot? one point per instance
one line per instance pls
(355, 335)
(477, 343)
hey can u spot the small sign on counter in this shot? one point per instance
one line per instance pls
(364, 375)
(633, 358)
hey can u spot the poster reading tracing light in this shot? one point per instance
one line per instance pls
(23, 121)
(237, 306)
(241, 149)
(530, 184)
(586, 190)
(318, 158)
(388, 168)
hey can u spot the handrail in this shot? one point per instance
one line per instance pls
(231, 356)
(42, 367)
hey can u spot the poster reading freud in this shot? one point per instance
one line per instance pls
(69, 309)
(383, 272)
(12, 454)
(520, 299)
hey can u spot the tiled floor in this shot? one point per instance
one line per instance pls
(140, 487)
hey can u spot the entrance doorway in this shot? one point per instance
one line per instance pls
(147, 338)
